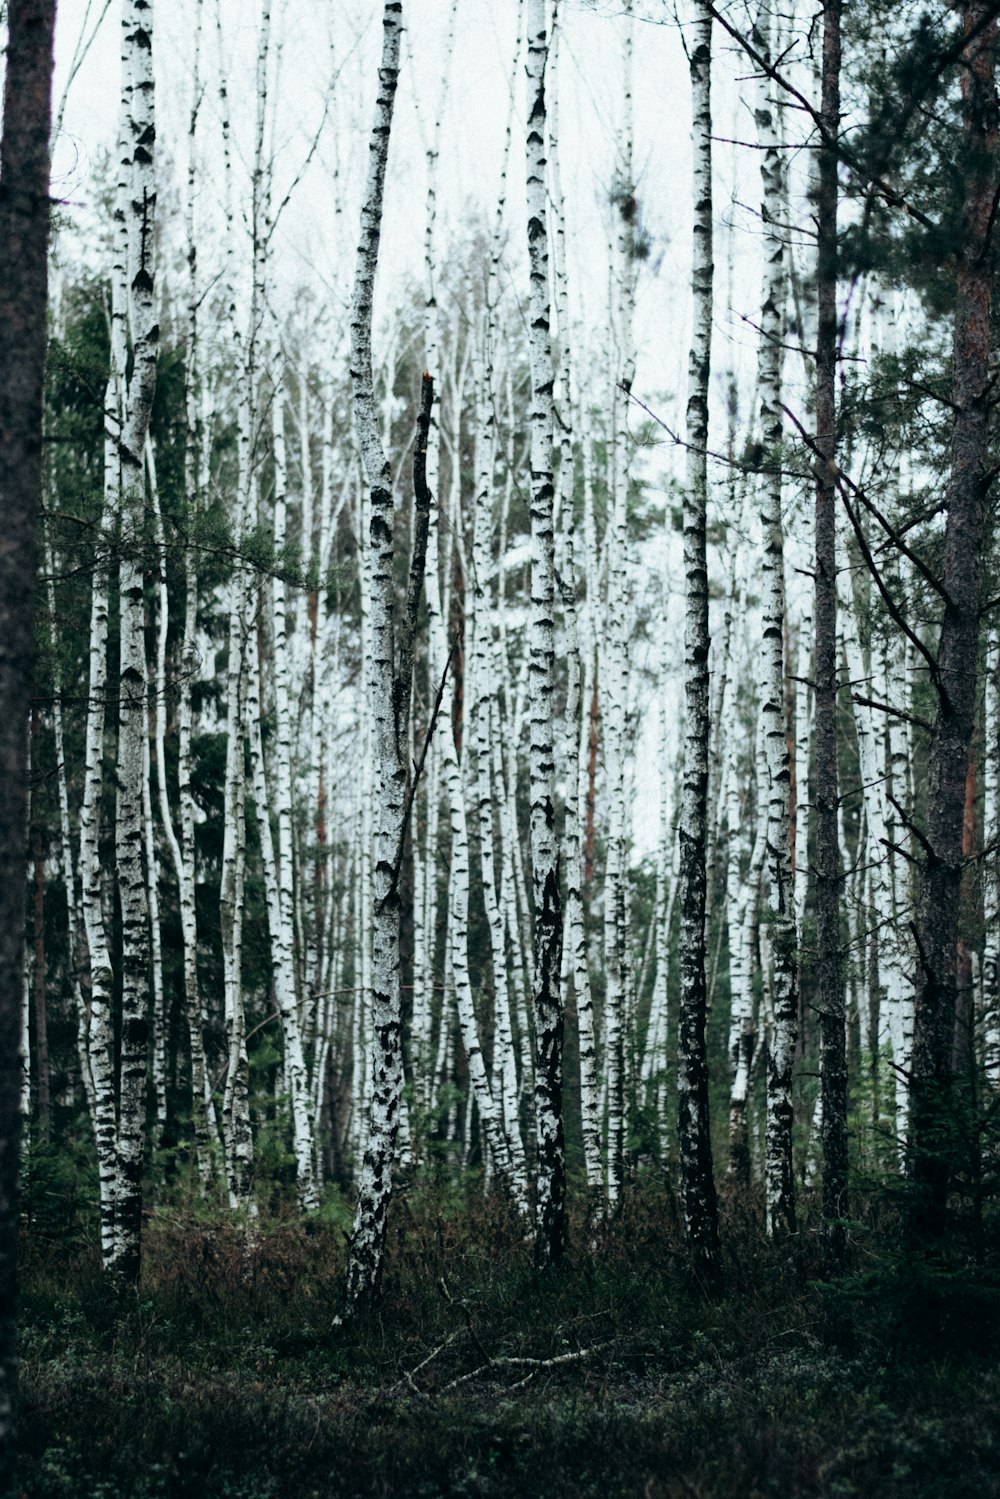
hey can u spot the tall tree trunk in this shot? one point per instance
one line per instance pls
(830, 981)
(101, 1037)
(933, 1125)
(780, 901)
(43, 1092)
(74, 944)
(388, 717)
(283, 917)
(697, 1181)
(991, 865)
(24, 224)
(132, 721)
(550, 1183)
(182, 848)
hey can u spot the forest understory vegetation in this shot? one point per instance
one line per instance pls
(613, 1373)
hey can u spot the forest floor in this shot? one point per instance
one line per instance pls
(614, 1376)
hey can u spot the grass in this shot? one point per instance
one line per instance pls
(613, 1376)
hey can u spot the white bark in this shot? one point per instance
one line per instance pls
(780, 891)
(74, 914)
(281, 910)
(132, 728)
(697, 1183)
(375, 1184)
(101, 1038)
(284, 980)
(742, 896)
(182, 847)
(550, 1186)
(504, 1070)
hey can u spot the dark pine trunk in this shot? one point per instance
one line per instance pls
(935, 1133)
(830, 983)
(24, 227)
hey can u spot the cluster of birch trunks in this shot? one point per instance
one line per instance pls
(334, 810)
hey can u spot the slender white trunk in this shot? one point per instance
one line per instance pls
(780, 891)
(743, 892)
(483, 708)
(550, 1186)
(282, 917)
(375, 1184)
(614, 666)
(74, 915)
(697, 1182)
(132, 721)
(101, 1037)
(158, 1048)
(284, 979)
(182, 846)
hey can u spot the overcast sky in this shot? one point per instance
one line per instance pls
(323, 64)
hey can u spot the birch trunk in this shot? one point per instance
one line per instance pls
(550, 1185)
(182, 848)
(697, 1182)
(283, 914)
(780, 904)
(132, 721)
(375, 1187)
(101, 1035)
(504, 1070)
(74, 945)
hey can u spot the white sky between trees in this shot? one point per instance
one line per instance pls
(314, 247)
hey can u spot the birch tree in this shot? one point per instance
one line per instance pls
(391, 684)
(550, 1181)
(780, 902)
(697, 1182)
(143, 316)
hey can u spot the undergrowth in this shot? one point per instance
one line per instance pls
(614, 1375)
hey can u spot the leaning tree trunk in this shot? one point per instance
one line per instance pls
(933, 1125)
(24, 224)
(697, 1181)
(550, 1186)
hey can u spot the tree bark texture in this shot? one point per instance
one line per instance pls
(388, 711)
(139, 138)
(933, 1137)
(697, 1181)
(830, 981)
(24, 225)
(550, 1182)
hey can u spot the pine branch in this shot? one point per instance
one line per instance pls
(914, 718)
(890, 603)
